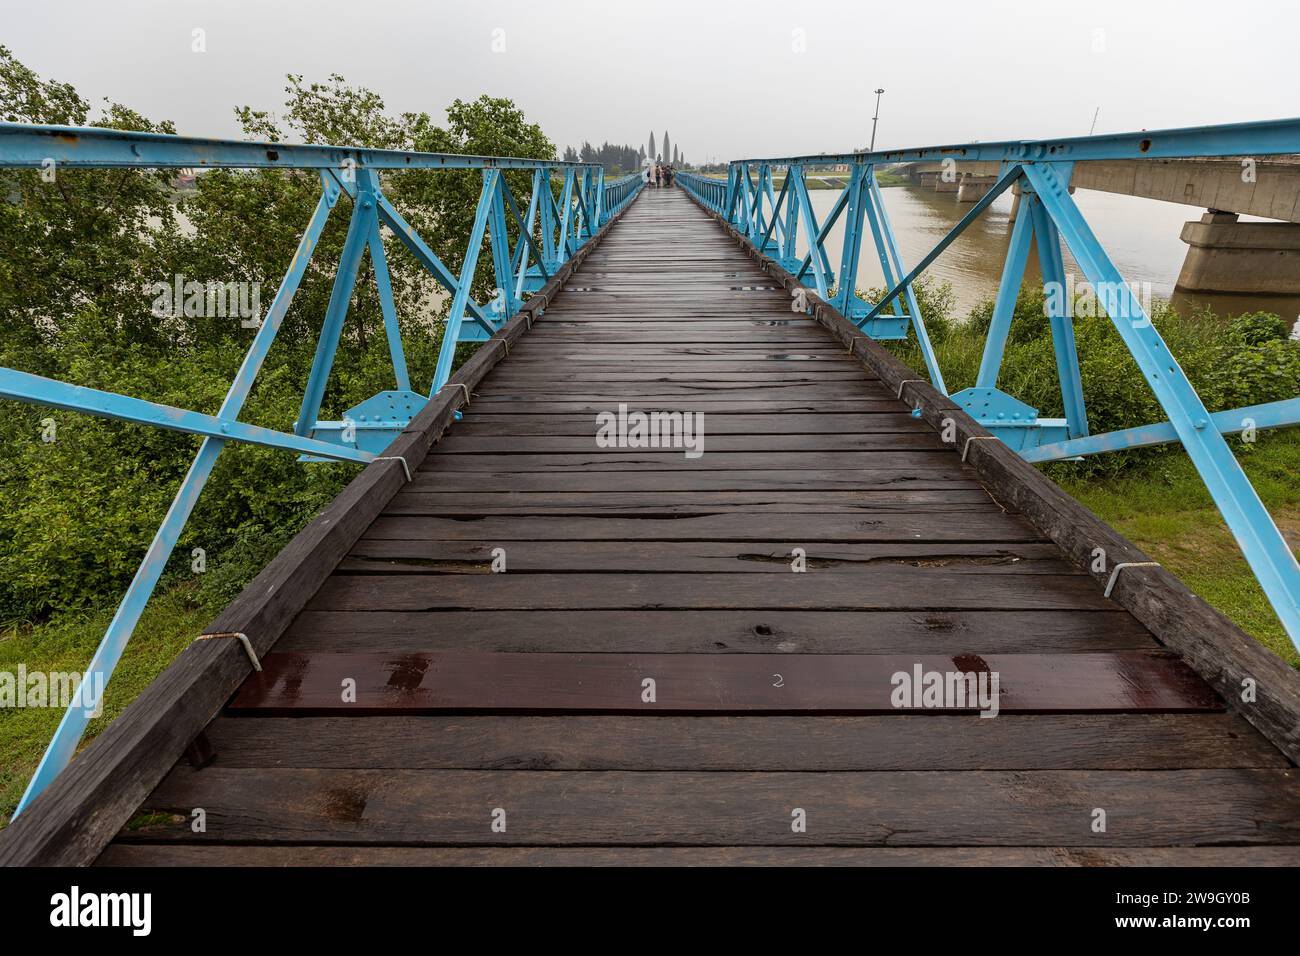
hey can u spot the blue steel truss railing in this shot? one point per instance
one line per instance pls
(771, 219)
(546, 235)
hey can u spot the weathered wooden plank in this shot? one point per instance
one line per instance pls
(469, 681)
(796, 528)
(523, 367)
(702, 441)
(885, 588)
(127, 854)
(634, 459)
(475, 557)
(493, 742)
(754, 339)
(961, 808)
(744, 631)
(668, 504)
(679, 391)
(821, 349)
(694, 481)
(592, 405)
(550, 377)
(738, 324)
(479, 424)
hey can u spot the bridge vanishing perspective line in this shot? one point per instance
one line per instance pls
(682, 566)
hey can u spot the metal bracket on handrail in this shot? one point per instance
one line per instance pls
(1114, 572)
(966, 447)
(460, 385)
(405, 467)
(242, 638)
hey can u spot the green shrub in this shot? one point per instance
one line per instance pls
(1244, 360)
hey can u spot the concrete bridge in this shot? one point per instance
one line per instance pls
(1224, 254)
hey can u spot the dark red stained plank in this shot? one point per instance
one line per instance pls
(1125, 681)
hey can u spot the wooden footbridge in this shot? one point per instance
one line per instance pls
(538, 650)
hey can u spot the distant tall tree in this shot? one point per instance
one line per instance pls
(676, 156)
(614, 157)
(668, 153)
(652, 152)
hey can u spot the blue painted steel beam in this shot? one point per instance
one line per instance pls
(38, 390)
(909, 296)
(527, 226)
(384, 286)
(451, 333)
(851, 250)
(1266, 138)
(583, 228)
(816, 253)
(1004, 306)
(877, 235)
(499, 242)
(73, 724)
(1267, 552)
(526, 240)
(26, 145)
(976, 211)
(1268, 415)
(803, 205)
(550, 220)
(778, 203)
(391, 218)
(1058, 307)
(567, 246)
(345, 280)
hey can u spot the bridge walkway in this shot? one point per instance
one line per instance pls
(651, 680)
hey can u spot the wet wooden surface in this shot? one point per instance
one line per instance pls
(498, 717)
(1124, 682)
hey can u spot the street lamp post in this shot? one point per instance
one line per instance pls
(874, 119)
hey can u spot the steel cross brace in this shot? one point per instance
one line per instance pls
(1231, 421)
(100, 669)
(451, 334)
(1267, 552)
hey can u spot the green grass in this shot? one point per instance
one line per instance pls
(1166, 511)
(172, 621)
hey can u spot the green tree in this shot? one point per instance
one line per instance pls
(79, 254)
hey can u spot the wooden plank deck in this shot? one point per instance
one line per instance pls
(519, 698)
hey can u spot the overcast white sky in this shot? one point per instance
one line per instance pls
(726, 79)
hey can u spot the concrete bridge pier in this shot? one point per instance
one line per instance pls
(1227, 255)
(973, 187)
(1016, 193)
(942, 185)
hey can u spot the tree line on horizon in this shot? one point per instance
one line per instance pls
(625, 158)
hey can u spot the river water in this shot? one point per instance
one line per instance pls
(1140, 235)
